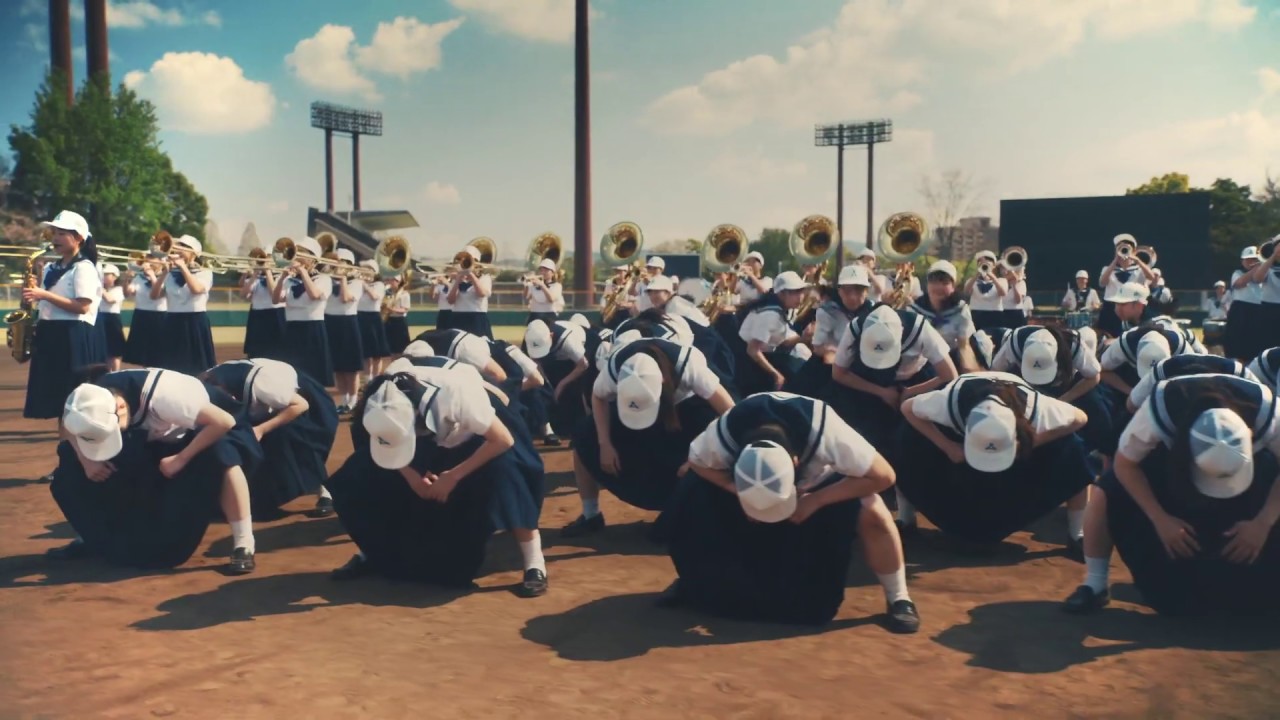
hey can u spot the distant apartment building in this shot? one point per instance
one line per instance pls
(967, 237)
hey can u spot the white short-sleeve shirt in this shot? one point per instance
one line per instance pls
(371, 297)
(260, 296)
(441, 293)
(1084, 360)
(929, 347)
(1140, 436)
(299, 306)
(572, 345)
(174, 409)
(81, 281)
(469, 300)
(461, 408)
(747, 292)
(526, 363)
(1045, 413)
(112, 299)
(335, 305)
(142, 299)
(681, 308)
(991, 299)
(768, 326)
(829, 327)
(696, 379)
(181, 299)
(1250, 293)
(1009, 302)
(540, 301)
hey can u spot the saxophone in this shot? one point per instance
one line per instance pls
(22, 322)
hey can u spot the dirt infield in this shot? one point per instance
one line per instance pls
(81, 640)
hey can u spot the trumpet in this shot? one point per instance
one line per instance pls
(1014, 259)
(986, 267)
(161, 243)
(134, 260)
(341, 268)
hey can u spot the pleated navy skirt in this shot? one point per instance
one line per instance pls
(112, 334)
(146, 335)
(187, 343)
(570, 408)
(650, 458)
(987, 507)
(812, 379)
(751, 378)
(345, 352)
(306, 348)
(766, 572)
(1242, 341)
(535, 408)
(1204, 584)
(60, 350)
(1014, 318)
(373, 336)
(1266, 332)
(444, 319)
(519, 482)
(719, 356)
(264, 333)
(397, 330)
(294, 455)
(476, 323)
(1099, 433)
(983, 319)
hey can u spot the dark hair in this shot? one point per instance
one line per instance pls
(1168, 307)
(654, 315)
(1010, 395)
(89, 249)
(1066, 368)
(950, 301)
(667, 414)
(769, 432)
(1181, 461)
(770, 297)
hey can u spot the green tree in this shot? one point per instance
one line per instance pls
(1167, 184)
(101, 157)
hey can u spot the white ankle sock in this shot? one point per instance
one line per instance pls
(360, 554)
(590, 508)
(324, 492)
(1075, 524)
(532, 552)
(895, 585)
(906, 511)
(547, 430)
(1097, 573)
(242, 534)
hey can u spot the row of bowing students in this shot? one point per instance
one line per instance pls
(760, 490)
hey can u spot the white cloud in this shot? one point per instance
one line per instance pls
(442, 193)
(204, 94)
(753, 168)
(140, 13)
(540, 20)
(1269, 79)
(332, 60)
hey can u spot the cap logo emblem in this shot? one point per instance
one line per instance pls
(991, 447)
(879, 347)
(381, 441)
(633, 405)
(1036, 364)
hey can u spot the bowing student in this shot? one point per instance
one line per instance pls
(947, 312)
(373, 336)
(264, 330)
(986, 455)
(767, 362)
(831, 322)
(1242, 342)
(443, 465)
(543, 293)
(109, 316)
(679, 312)
(986, 291)
(295, 422)
(67, 300)
(342, 329)
(1266, 368)
(1191, 502)
(653, 398)
(560, 350)
(187, 346)
(466, 348)
(1180, 365)
(146, 327)
(147, 454)
(469, 295)
(305, 292)
(762, 528)
(1061, 364)
(397, 323)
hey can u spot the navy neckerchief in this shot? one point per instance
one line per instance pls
(298, 287)
(178, 277)
(337, 288)
(1082, 298)
(984, 286)
(1122, 275)
(262, 281)
(57, 270)
(936, 318)
(464, 286)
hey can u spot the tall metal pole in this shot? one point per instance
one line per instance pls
(583, 282)
(871, 163)
(95, 36)
(355, 171)
(840, 207)
(60, 45)
(328, 170)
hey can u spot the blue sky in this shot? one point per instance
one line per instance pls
(703, 110)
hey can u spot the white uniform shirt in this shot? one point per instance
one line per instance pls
(1250, 293)
(1140, 436)
(1270, 287)
(526, 363)
(840, 449)
(929, 347)
(142, 299)
(335, 305)
(956, 327)
(696, 379)
(81, 281)
(681, 308)
(175, 405)
(1140, 392)
(572, 345)
(747, 292)
(829, 327)
(1044, 413)
(769, 326)
(112, 299)
(1083, 361)
(460, 408)
(441, 293)
(302, 307)
(1135, 276)
(540, 300)
(470, 301)
(372, 304)
(1216, 307)
(260, 296)
(181, 299)
(401, 300)
(989, 300)
(1091, 300)
(1008, 302)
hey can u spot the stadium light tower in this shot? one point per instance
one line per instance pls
(349, 121)
(852, 133)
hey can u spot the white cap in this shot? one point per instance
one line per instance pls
(866, 252)
(110, 269)
(1082, 274)
(789, 280)
(473, 251)
(943, 266)
(580, 320)
(990, 437)
(67, 220)
(91, 419)
(626, 338)
(1220, 284)
(346, 256)
(639, 391)
(603, 351)
(1152, 348)
(472, 350)
(189, 243)
(984, 254)
(1127, 293)
(308, 245)
(854, 275)
(880, 346)
(371, 264)
(1123, 237)
(399, 365)
(547, 264)
(388, 417)
(1039, 358)
(1249, 253)
(662, 282)
(753, 255)
(656, 262)
(765, 478)
(274, 383)
(537, 339)
(419, 349)
(1222, 449)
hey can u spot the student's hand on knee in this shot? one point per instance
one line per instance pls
(172, 465)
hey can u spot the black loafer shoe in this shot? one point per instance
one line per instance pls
(242, 562)
(356, 567)
(1085, 601)
(904, 619)
(906, 529)
(552, 440)
(583, 526)
(324, 507)
(670, 598)
(534, 584)
(73, 550)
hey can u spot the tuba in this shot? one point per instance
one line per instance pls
(22, 322)
(1268, 248)
(724, 245)
(621, 245)
(903, 239)
(813, 241)
(1014, 259)
(463, 260)
(393, 257)
(547, 246)
(1146, 255)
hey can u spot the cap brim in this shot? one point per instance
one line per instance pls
(392, 456)
(104, 449)
(775, 514)
(641, 419)
(984, 461)
(1224, 488)
(55, 224)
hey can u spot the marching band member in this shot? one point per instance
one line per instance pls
(1218, 303)
(147, 454)
(1242, 341)
(542, 293)
(264, 330)
(294, 420)
(763, 527)
(109, 316)
(945, 309)
(68, 297)
(146, 328)
(652, 400)
(373, 336)
(443, 466)
(752, 282)
(560, 350)
(1267, 276)
(654, 268)
(397, 323)
(1191, 502)
(879, 283)
(998, 456)
(1081, 297)
(343, 331)
(304, 293)
(986, 293)
(1124, 269)
(830, 324)
(444, 308)
(767, 362)
(188, 338)
(469, 295)
(1014, 302)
